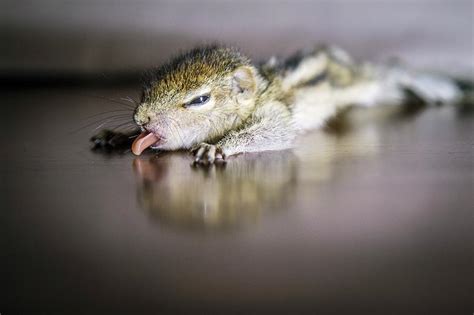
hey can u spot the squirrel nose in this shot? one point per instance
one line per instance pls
(142, 120)
(146, 120)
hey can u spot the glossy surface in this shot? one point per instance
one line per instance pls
(373, 215)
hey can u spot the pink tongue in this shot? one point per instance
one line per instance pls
(143, 141)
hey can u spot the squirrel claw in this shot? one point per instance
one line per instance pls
(207, 154)
(109, 141)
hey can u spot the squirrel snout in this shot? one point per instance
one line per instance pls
(142, 118)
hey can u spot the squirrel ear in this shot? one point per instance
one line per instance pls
(244, 83)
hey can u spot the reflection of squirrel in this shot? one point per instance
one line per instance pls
(215, 101)
(223, 198)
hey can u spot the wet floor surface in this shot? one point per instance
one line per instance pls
(372, 215)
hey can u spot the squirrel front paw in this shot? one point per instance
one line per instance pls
(108, 141)
(207, 154)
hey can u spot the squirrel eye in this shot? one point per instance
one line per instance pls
(200, 100)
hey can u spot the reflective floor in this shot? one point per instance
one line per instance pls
(373, 214)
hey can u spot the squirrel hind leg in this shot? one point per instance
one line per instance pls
(312, 66)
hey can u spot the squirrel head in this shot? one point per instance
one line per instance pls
(198, 96)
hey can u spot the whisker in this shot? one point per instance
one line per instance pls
(115, 117)
(102, 121)
(112, 128)
(129, 112)
(122, 125)
(126, 105)
(129, 99)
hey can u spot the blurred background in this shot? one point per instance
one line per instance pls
(372, 215)
(84, 38)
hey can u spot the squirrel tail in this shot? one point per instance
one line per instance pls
(429, 88)
(375, 84)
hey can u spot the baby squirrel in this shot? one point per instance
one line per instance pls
(214, 101)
